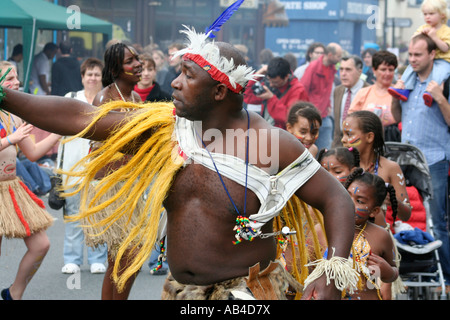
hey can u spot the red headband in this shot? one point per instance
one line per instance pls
(215, 73)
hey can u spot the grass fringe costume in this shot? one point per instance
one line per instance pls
(154, 163)
(22, 213)
(113, 235)
(152, 168)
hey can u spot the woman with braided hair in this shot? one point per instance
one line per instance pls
(121, 73)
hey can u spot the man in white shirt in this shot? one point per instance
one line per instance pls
(350, 74)
(40, 72)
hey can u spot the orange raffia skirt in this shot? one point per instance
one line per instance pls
(22, 213)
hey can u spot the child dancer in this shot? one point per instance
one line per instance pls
(304, 121)
(373, 248)
(339, 161)
(363, 130)
(22, 214)
(436, 15)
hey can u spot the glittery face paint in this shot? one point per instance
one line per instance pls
(401, 179)
(128, 70)
(354, 142)
(11, 80)
(304, 131)
(9, 169)
(362, 213)
(363, 198)
(131, 64)
(299, 136)
(352, 135)
(336, 168)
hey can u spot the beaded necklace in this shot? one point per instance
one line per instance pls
(361, 251)
(5, 132)
(243, 229)
(5, 125)
(120, 93)
(373, 166)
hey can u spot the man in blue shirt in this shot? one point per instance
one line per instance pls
(428, 129)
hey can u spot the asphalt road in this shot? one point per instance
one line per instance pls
(50, 284)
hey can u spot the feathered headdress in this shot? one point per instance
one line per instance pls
(224, 17)
(207, 54)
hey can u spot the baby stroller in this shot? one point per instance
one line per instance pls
(420, 267)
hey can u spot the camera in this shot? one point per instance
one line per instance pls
(258, 88)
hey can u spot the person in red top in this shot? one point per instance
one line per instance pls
(280, 90)
(148, 89)
(318, 80)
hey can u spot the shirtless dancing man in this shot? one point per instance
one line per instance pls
(200, 228)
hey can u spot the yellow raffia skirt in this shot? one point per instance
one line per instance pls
(114, 233)
(154, 163)
(22, 213)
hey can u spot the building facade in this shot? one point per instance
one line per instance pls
(349, 23)
(147, 22)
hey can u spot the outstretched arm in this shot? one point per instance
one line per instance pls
(64, 116)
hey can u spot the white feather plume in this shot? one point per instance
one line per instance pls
(198, 44)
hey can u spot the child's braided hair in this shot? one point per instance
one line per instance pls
(347, 156)
(381, 188)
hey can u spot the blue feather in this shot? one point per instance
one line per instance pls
(224, 17)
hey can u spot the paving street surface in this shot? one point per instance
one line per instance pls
(50, 284)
